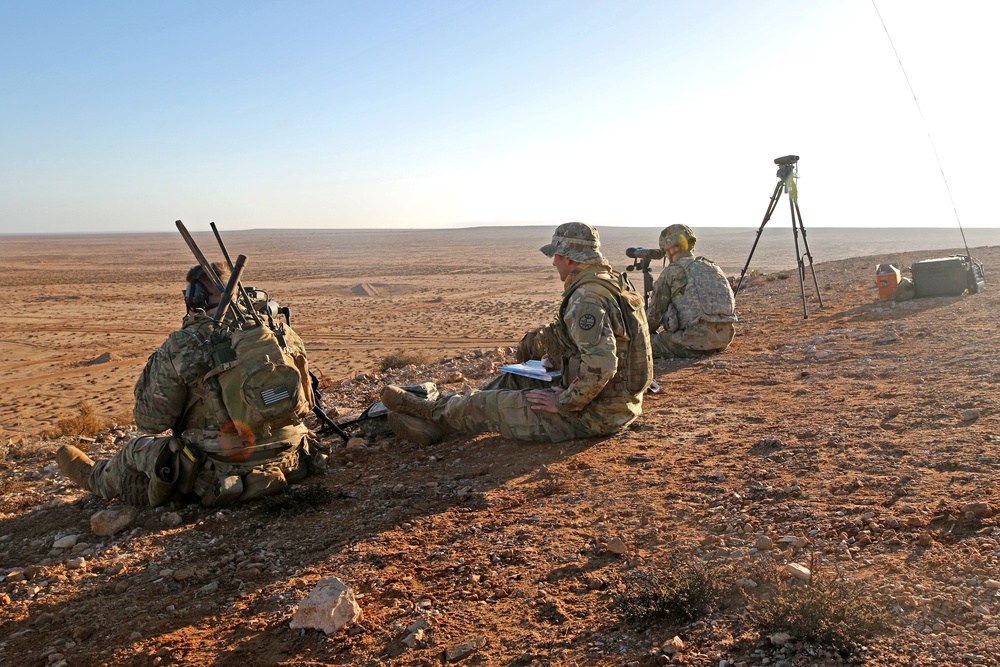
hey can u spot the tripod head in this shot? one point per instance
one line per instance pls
(787, 166)
(641, 257)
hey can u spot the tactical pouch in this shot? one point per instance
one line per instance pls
(226, 490)
(164, 478)
(189, 463)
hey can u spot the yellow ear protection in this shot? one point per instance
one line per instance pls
(196, 296)
(682, 242)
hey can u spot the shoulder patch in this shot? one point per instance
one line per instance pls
(587, 322)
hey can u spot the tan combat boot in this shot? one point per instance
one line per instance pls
(414, 429)
(76, 465)
(400, 400)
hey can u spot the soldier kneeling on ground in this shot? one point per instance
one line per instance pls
(217, 457)
(692, 311)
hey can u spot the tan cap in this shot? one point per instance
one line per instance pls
(677, 235)
(577, 241)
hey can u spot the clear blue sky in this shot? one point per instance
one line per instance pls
(128, 115)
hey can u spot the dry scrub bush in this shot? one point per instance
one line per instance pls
(402, 359)
(833, 613)
(85, 422)
(837, 614)
(678, 594)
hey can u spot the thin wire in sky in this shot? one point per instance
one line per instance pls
(926, 126)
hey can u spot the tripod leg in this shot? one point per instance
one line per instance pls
(805, 244)
(798, 258)
(767, 216)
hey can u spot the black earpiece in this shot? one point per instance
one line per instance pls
(196, 296)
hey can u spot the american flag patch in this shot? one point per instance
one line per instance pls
(272, 395)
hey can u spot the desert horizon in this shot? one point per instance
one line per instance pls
(727, 246)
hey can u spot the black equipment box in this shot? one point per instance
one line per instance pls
(946, 276)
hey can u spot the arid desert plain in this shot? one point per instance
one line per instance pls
(861, 442)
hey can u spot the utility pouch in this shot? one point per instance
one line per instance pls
(162, 483)
(226, 490)
(189, 463)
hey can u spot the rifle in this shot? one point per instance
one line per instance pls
(641, 257)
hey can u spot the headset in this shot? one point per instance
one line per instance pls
(196, 296)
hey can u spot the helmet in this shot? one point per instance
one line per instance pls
(679, 235)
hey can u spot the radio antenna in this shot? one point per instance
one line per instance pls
(926, 129)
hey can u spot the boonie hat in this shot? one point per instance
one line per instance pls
(577, 241)
(677, 235)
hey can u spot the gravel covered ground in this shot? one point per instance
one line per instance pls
(861, 443)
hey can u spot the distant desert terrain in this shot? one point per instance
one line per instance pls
(84, 312)
(862, 442)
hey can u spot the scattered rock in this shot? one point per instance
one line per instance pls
(171, 519)
(463, 650)
(328, 607)
(798, 571)
(110, 521)
(977, 510)
(780, 638)
(617, 546)
(66, 542)
(764, 543)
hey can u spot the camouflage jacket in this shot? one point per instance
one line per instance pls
(591, 335)
(690, 290)
(172, 394)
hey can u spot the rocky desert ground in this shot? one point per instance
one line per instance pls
(860, 443)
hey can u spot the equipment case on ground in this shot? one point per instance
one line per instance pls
(944, 276)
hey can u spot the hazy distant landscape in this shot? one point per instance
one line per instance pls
(359, 252)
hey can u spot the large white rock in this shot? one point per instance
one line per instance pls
(328, 607)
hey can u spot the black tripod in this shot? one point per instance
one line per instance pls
(787, 173)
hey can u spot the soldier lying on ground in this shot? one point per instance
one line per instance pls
(692, 310)
(600, 341)
(209, 454)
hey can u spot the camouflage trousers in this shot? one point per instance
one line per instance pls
(502, 406)
(695, 341)
(151, 470)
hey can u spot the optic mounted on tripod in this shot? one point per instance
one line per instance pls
(786, 165)
(645, 253)
(787, 175)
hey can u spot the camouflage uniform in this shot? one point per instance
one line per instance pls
(590, 340)
(691, 302)
(173, 394)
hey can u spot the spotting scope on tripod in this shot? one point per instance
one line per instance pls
(788, 173)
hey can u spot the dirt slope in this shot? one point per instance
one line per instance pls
(863, 432)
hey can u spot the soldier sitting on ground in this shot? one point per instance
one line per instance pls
(692, 311)
(600, 341)
(209, 454)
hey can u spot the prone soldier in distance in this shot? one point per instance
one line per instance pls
(692, 310)
(236, 420)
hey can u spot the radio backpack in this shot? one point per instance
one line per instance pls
(265, 388)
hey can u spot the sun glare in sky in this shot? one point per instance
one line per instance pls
(462, 113)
